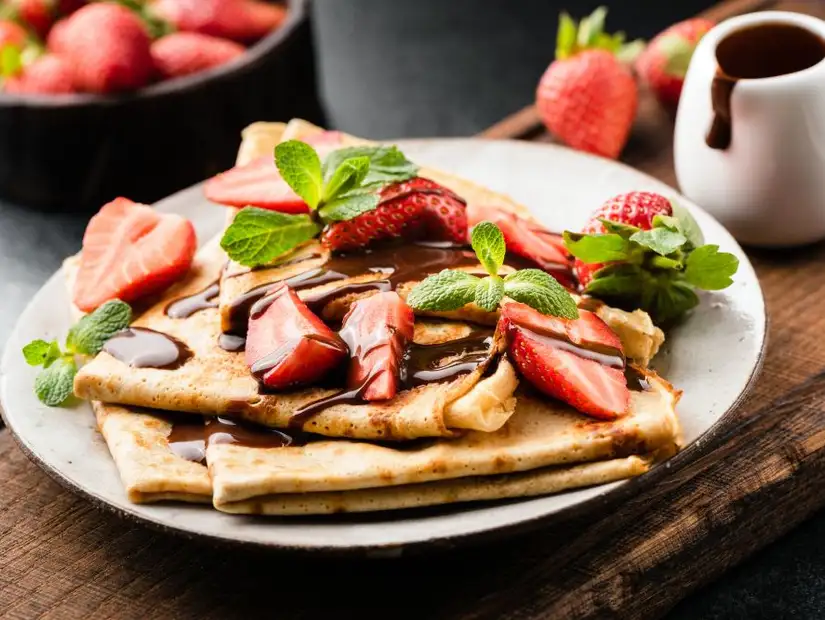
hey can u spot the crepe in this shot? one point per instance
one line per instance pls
(641, 339)
(542, 433)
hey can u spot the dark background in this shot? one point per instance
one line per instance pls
(398, 68)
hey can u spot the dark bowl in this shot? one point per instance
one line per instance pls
(75, 152)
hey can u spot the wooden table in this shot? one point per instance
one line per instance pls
(60, 557)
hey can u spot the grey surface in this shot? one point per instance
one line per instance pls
(433, 62)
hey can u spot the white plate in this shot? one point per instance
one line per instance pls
(713, 357)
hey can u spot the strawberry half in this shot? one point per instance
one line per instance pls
(130, 251)
(579, 362)
(633, 209)
(288, 345)
(259, 183)
(377, 330)
(444, 214)
(528, 239)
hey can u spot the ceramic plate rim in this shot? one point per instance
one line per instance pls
(612, 492)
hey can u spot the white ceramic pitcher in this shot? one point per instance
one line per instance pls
(768, 185)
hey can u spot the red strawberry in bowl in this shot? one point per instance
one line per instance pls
(130, 251)
(238, 20)
(49, 74)
(184, 53)
(377, 330)
(632, 209)
(12, 33)
(579, 361)
(664, 62)
(587, 97)
(527, 239)
(287, 345)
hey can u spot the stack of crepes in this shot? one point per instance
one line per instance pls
(478, 436)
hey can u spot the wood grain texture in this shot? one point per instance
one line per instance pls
(62, 558)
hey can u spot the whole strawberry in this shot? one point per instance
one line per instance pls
(587, 97)
(184, 53)
(12, 33)
(664, 62)
(48, 75)
(632, 209)
(640, 250)
(108, 46)
(239, 20)
(39, 15)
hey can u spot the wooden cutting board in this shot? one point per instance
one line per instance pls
(754, 480)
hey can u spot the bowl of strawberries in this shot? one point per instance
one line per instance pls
(140, 97)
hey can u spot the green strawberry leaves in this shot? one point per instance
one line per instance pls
(345, 186)
(54, 384)
(589, 34)
(655, 270)
(259, 236)
(451, 290)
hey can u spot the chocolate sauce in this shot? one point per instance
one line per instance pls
(436, 363)
(225, 430)
(397, 263)
(636, 381)
(145, 348)
(590, 303)
(233, 270)
(757, 52)
(260, 368)
(344, 397)
(185, 307)
(187, 440)
(232, 343)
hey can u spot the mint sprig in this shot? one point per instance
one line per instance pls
(54, 384)
(655, 270)
(452, 289)
(346, 185)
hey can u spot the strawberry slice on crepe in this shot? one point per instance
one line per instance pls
(580, 362)
(527, 239)
(287, 344)
(259, 184)
(377, 330)
(130, 251)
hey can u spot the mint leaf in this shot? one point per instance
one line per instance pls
(623, 280)
(541, 291)
(259, 236)
(349, 175)
(300, 167)
(597, 248)
(447, 290)
(489, 293)
(349, 205)
(661, 240)
(667, 221)
(90, 333)
(708, 268)
(669, 302)
(623, 230)
(55, 384)
(387, 163)
(41, 353)
(688, 225)
(488, 244)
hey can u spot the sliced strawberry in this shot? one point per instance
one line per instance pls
(399, 216)
(259, 183)
(129, 251)
(377, 330)
(527, 239)
(579, 362)
(288, 345)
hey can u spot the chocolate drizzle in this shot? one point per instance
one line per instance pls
(187, 440)
(756, 52)
(232, 343)
(140, 347)
(393, 265)
(436, 363)
(185, 307)
(594, 351)
(636, 380)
